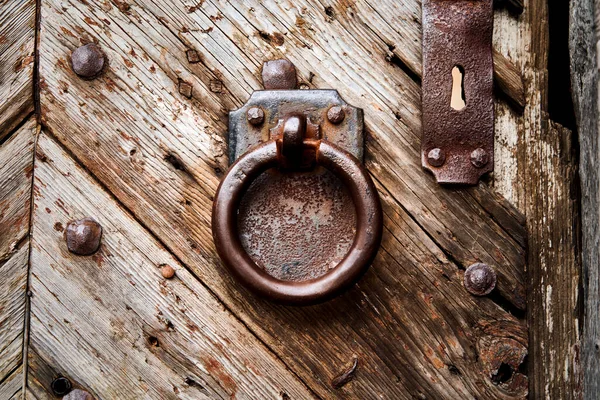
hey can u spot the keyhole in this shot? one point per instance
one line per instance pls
(458, 101)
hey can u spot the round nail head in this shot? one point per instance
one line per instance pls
(336, 114)
(61, 386)
(479, 158)
(255, 115)
(78, 394)
(436, 157)
(279, 74)
(480, 279)
(87, 61)
(167, 271)
(83, 236)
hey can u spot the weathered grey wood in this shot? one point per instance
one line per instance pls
(12, 317)
(584, 83)
(17, 42)
(15, 188)
(12, 387)
(112, 323)
(409, 322)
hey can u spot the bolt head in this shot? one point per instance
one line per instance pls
(479, 158)
(167, 271)
(436, 157)
(78, 394)
(83, 236)
(255, 115)
(88, 61)
(279, 74)
(336, 114)
(480, 279)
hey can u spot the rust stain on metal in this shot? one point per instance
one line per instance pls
(297, 218)
(345, 376)
(458, 34)
(185, 89)
(279, 74)
(167, 271)
(83, 236)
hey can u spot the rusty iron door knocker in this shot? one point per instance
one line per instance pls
(304, 133)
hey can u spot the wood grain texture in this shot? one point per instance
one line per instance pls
(17, 43)
(12, 317)
(11, 387)
(584, 83)
(409, 321)
(112, 324)
(15, 188)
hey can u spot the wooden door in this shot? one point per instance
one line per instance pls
(142, 148)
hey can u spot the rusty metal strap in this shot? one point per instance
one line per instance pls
(458, 139)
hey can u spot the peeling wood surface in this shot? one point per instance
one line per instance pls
(584, 83)
(17, 37)
(114, 318)
(413, 328)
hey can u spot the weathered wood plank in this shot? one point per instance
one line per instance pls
(113, 324)
(584, 83)
(125, 126)
(16, 166)
(11, 387)
(17, 43)
(12, 315)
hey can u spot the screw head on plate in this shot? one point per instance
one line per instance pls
(279, 74)
(87, 61)
(479, 158)
(83, 236)
(480, 279)
(336, 114)
(255, 116)
(436, 157)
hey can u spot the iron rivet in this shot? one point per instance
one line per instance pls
(436, 157)
(336, 114)
(87, 61)
(480, 279)
(255, 115)
(167, 271)
(78, 394)
(479, 158)
(83, 236)
(61, 386)
(279, 74)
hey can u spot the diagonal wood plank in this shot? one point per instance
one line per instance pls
(127, 126)
(114, 318)
(16, 166)
(17, 43)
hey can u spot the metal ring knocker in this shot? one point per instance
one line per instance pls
(276, 153)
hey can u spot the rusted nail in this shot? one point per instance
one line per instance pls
(345, 376)
(88, 60)
(479, 158)
(78, 394)
(60, 386)
(167, 271)
(336, 114)
(279, 74)
(480, 279)
(83, 236)
(185, 89)
(255, 115)
(436, 157)
(192, 56)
